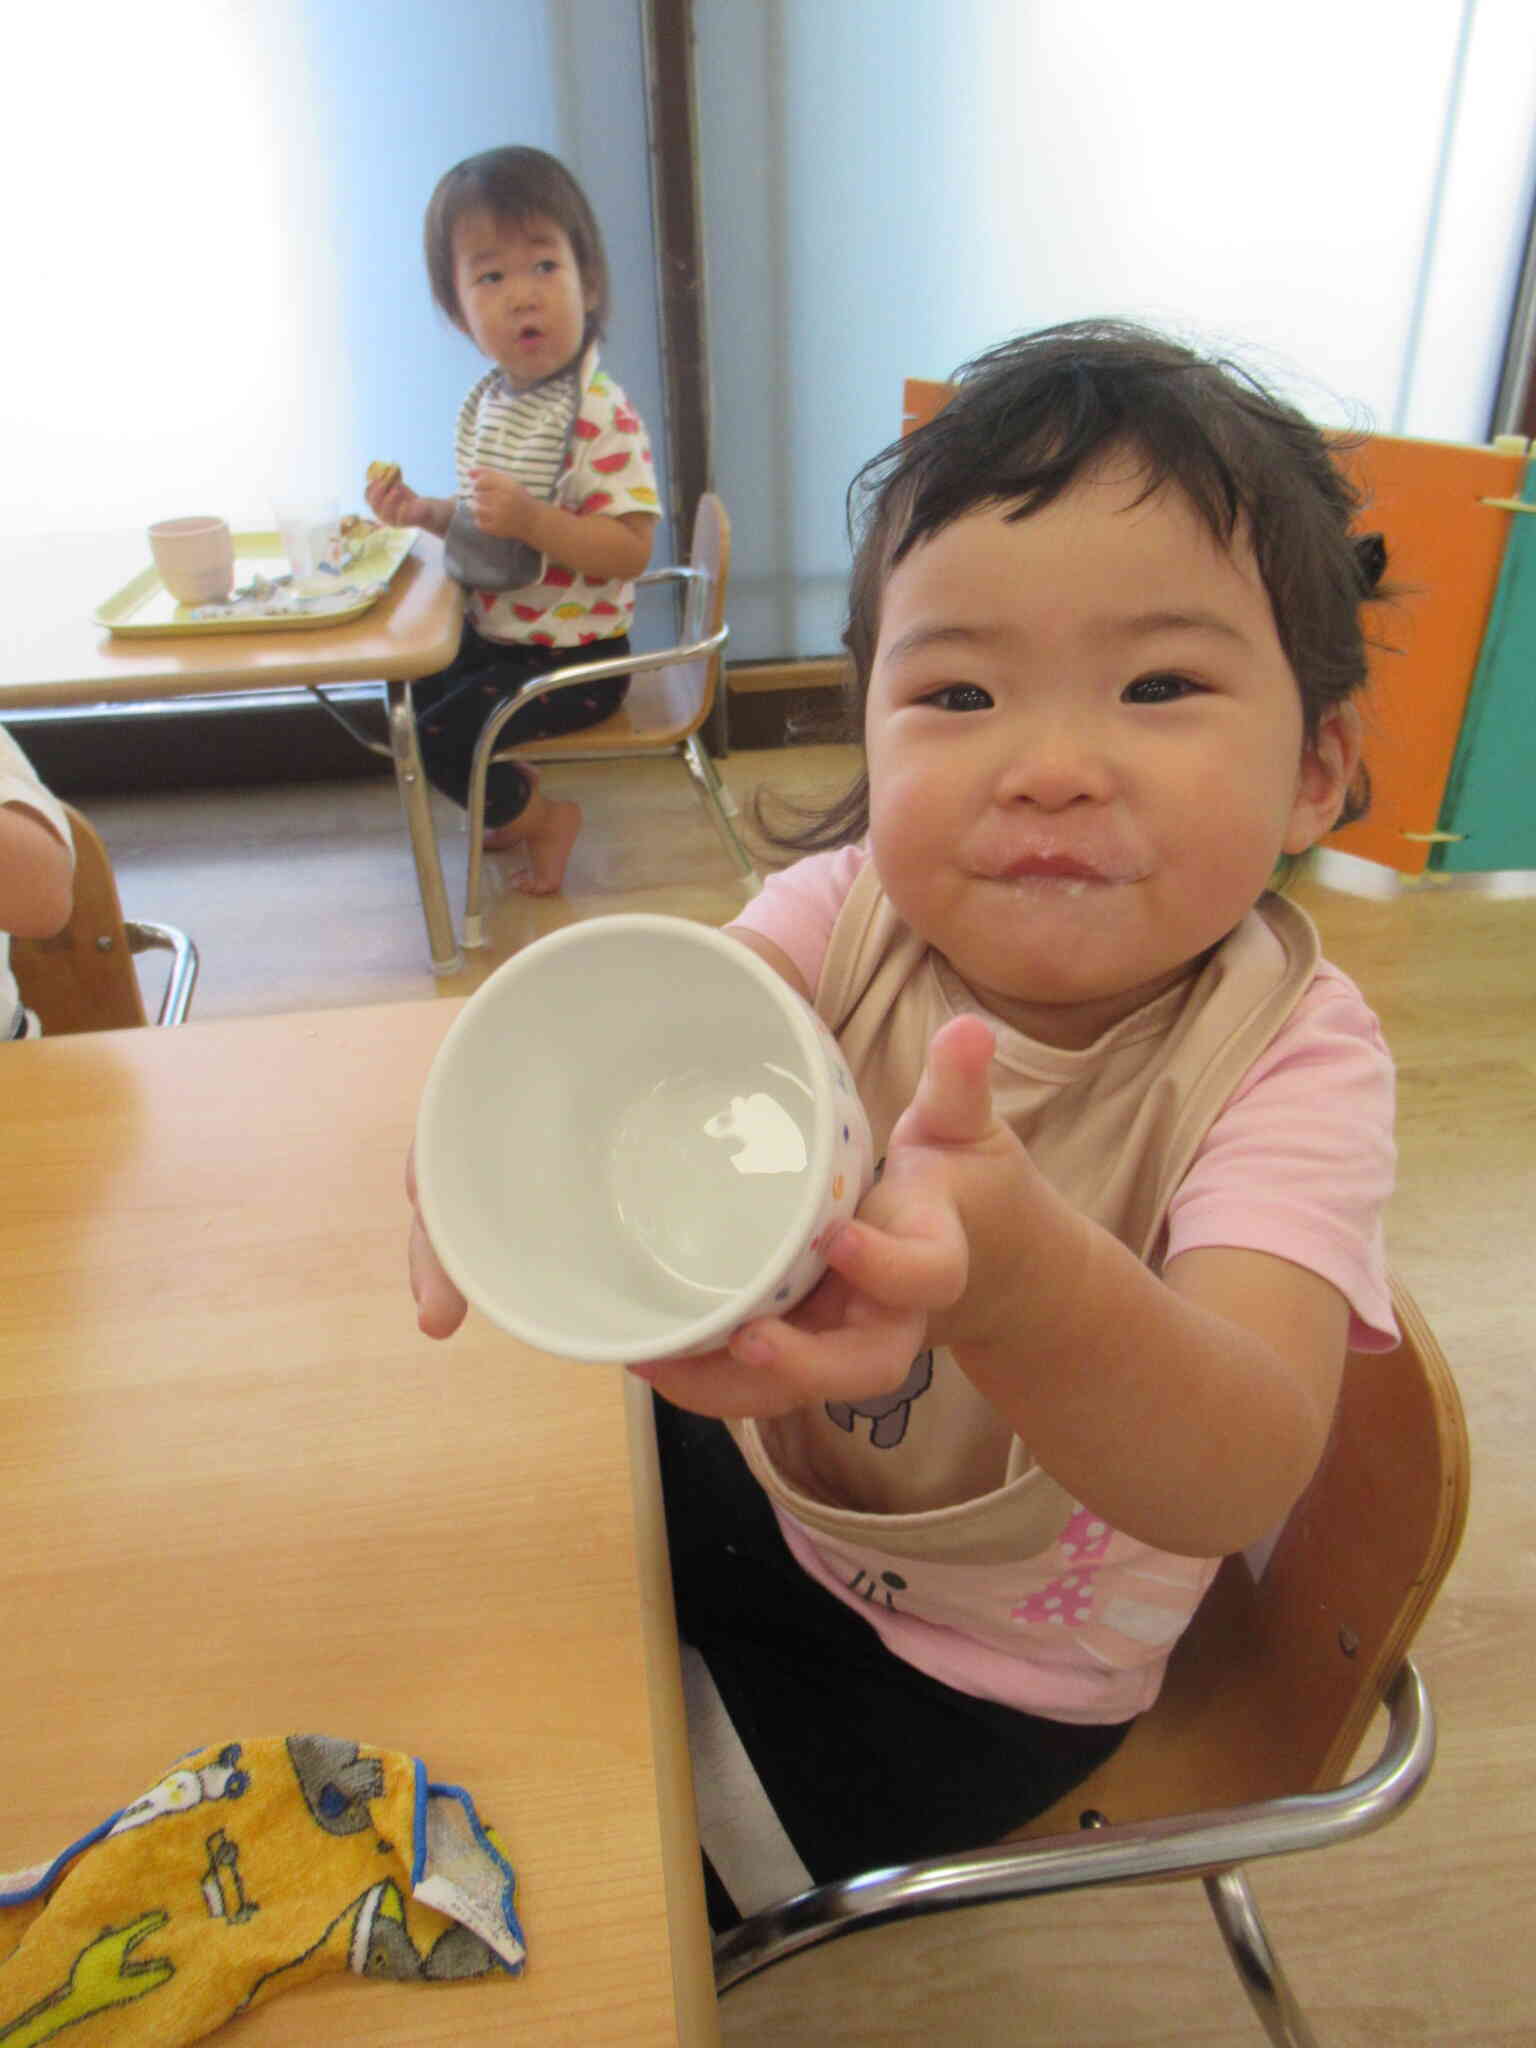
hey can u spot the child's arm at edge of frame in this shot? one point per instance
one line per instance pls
(37, 874)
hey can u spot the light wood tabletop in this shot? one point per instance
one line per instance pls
(240, 1495)
(54, 655)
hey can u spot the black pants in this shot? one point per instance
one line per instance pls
(453, 705)
(865, 1760)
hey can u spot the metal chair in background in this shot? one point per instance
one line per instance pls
(84, 978)
(671, 695)
(1268, 1696)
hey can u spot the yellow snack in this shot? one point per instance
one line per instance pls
(384, 473)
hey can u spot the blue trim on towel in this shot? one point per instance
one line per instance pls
(509, 1918)
(62, 1861)
(419, 1823)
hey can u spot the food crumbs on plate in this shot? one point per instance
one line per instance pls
(267, 597)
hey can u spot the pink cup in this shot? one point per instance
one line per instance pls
(195, 558)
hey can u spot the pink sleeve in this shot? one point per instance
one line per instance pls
(1300, 1163)
(797, 908)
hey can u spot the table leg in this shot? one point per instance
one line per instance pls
(410, 778)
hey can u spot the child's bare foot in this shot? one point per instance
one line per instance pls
(549, 846)
(503, 837)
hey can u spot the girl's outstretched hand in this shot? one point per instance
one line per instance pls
(904, 1259)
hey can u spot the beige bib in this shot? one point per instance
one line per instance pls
(931, 1472)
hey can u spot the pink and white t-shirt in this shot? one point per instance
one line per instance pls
(607, 468)
(1021, 1594)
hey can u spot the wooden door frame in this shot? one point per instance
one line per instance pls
(672, 122)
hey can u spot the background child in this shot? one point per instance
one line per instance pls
(557, 503)
(1085, 1335)
(37, 867)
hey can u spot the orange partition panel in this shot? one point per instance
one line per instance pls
(1444, 548)
(920, 400)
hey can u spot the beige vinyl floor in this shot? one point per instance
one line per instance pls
(1425, 1932)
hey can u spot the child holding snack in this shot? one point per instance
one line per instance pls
(1086, 1333)
(37, 867)
(557, 503)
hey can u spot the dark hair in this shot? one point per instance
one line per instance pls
(514, 184)
(1030, 417)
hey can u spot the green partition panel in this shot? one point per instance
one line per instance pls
(1489, 815)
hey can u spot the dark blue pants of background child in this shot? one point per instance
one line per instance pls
(864, 1760)
(453, 705)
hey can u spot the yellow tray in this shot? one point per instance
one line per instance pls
(329, 598)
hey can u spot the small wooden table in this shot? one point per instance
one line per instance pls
(240, 1495)
(52, 652)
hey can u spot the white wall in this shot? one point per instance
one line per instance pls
(214, 238)
(164, 315)
(1336, 190)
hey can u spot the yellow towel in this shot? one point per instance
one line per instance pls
(248, 1869)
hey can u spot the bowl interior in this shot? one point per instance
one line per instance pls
(623, 1137)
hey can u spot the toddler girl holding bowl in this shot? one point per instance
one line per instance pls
(935, 1533)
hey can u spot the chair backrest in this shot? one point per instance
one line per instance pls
(83, 978)
(709, 555)
(1276, 1680)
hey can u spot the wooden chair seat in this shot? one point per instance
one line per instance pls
(84, 977)
(657, 716)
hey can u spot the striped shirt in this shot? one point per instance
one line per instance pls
(604, 466)
(523, 433)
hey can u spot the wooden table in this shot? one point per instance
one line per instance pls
(241, 1496)
(53, 653)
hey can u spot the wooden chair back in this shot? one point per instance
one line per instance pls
(83, 978)
(666, 705)
(1274, 1684)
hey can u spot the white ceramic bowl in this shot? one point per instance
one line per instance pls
(634, 1138)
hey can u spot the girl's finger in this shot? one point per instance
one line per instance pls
(953, 1102)
(440, 1308)
(870, 1353)
(918, 1262)
(719, 1385)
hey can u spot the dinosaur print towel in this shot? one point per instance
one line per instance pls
(248, 1869)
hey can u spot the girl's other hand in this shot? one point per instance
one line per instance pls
(440, 1308)
(501, 505)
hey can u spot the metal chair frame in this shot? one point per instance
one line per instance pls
(702, 637)
(703, 634)
(1323, 1647)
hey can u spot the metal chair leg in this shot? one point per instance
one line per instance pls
(1237, 1915)
(411, 780)
(145, 937)
(474, 810)
(721, 806)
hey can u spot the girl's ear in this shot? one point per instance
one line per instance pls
(1329, 764)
